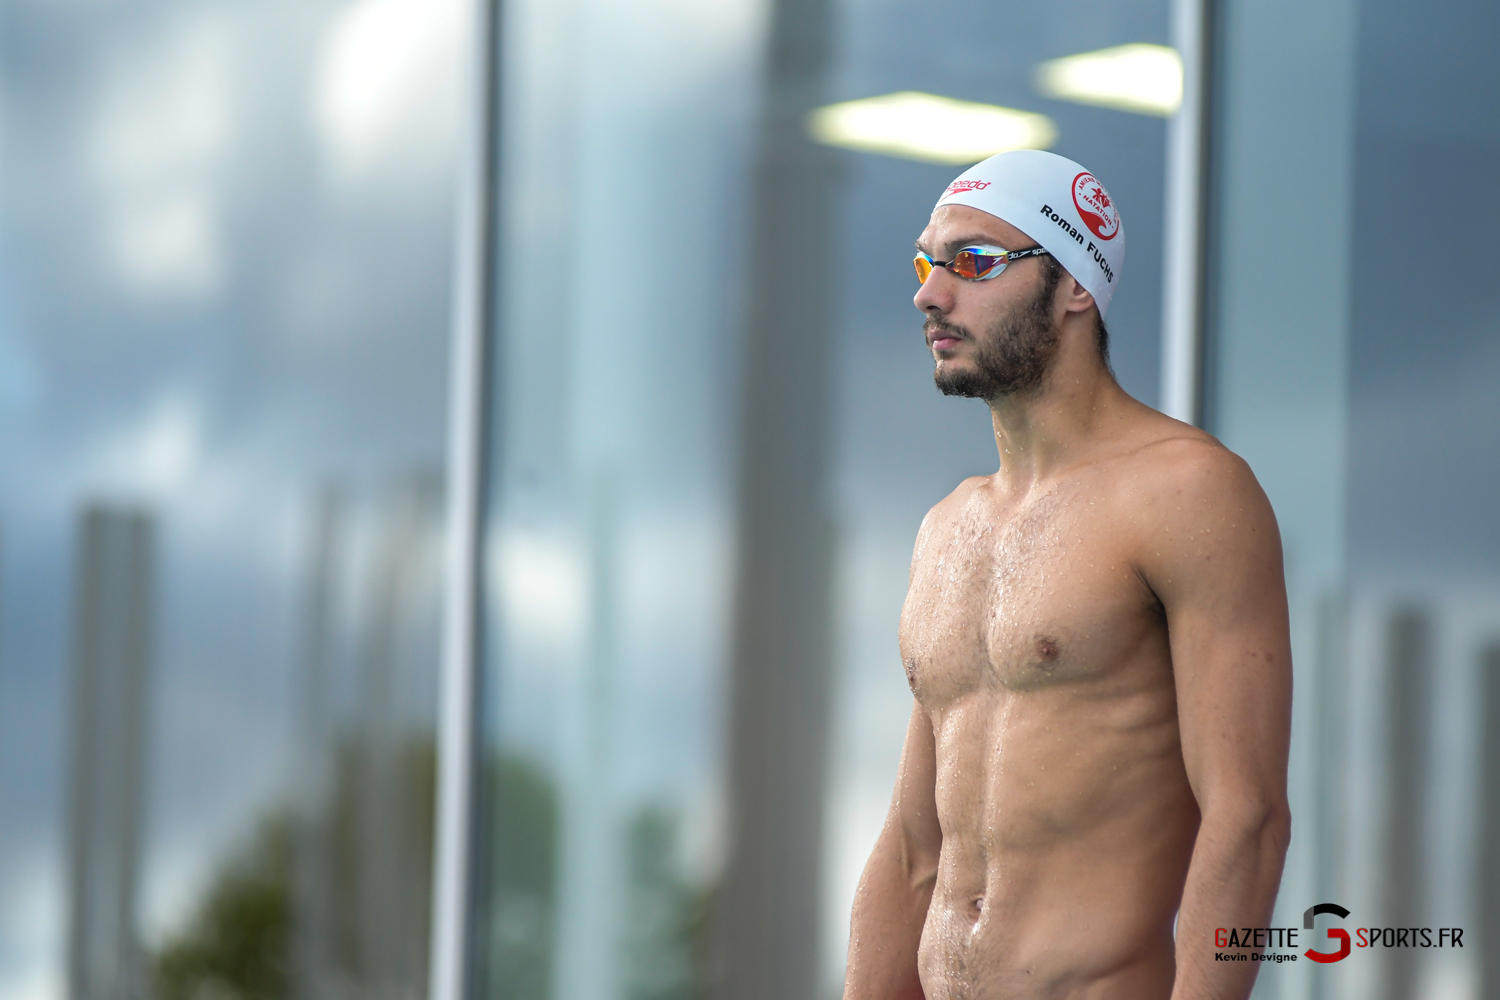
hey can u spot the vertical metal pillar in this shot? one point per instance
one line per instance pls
(453, 952)
(1409, 684)
(768, 911)
(314, 972)
(1489, 830)
(390, 897)
(111, 669)
(1184, 268)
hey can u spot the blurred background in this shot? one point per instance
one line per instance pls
(232, 265)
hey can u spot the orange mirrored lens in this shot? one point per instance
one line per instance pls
(965, 264)
(969, 264)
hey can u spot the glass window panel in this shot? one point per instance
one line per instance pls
(224, 286)
(1424, 433)
(901, 447)
(1278, 379)
(619, 510)
(608, 539)
(1355, 375)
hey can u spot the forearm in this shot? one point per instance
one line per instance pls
(885, 930)
(1232, 882)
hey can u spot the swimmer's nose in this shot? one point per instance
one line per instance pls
(936, 293)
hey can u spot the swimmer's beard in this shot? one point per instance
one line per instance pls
(1013, 357)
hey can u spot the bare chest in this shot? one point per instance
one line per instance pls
(1023, 600)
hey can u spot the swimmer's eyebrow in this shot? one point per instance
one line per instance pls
(972, 240)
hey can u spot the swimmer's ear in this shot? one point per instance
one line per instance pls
(1074, 297)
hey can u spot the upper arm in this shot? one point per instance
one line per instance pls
(1212, 555)
(890, 907)
(914, 803)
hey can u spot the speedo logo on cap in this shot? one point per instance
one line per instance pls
(1094, 205)
(958, 186)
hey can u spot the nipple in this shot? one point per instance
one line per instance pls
(1046, 649)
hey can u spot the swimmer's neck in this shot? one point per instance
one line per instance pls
(1062, 422)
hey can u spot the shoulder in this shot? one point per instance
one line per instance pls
(1171, 466)
(962, 504)
(1193, 467)
(1197, 509)
(961, 499)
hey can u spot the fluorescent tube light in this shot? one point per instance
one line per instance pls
(1146, 79)
(917, 126)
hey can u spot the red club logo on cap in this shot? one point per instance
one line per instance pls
(1094, 205)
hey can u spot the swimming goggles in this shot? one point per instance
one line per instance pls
(975, 263)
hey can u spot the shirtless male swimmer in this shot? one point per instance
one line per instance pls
(1096, 640)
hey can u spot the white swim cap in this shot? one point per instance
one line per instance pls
(1057, 203)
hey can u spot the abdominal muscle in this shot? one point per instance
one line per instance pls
(1067, 826)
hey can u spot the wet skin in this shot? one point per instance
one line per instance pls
(1095, 639)
(1040, 665)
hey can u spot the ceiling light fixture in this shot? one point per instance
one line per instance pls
(917, 126)
(1146, 79)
